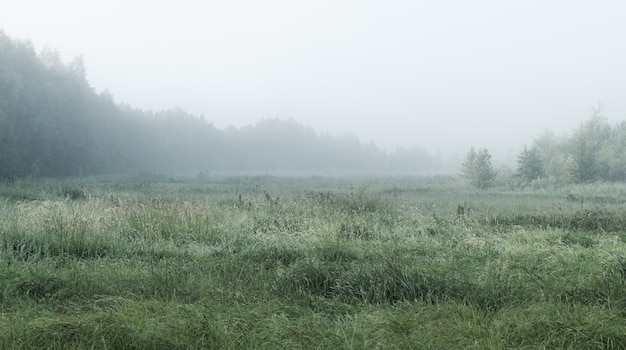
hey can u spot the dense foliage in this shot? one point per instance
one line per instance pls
(596, 151)
(53, 123)
(44, 123)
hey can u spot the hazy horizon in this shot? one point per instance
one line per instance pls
(442, 76)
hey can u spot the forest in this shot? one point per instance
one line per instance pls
(53, 124)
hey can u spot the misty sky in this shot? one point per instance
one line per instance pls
(444, 75)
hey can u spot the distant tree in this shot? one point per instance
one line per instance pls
(553, 151)
(468, 168)
(613, 155)
(586, 147)
(530, 165)
(477, 168)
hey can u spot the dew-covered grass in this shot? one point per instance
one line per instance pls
(286, 262)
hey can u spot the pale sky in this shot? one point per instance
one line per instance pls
(443, 75)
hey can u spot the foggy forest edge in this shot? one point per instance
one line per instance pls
(53, 124)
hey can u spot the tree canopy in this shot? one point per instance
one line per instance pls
(53, 123)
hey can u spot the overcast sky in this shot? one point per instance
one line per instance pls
(443, 75)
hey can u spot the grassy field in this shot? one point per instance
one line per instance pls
(299, 263)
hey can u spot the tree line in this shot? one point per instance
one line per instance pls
(594, 152)
(53, 124)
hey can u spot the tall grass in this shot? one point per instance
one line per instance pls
(310, 263)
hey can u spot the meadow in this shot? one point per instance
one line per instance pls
(245, 262)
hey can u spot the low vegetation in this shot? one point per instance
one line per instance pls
(265, 262)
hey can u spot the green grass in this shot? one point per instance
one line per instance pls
(269, 262)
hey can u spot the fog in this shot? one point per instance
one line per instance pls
(442, 75)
